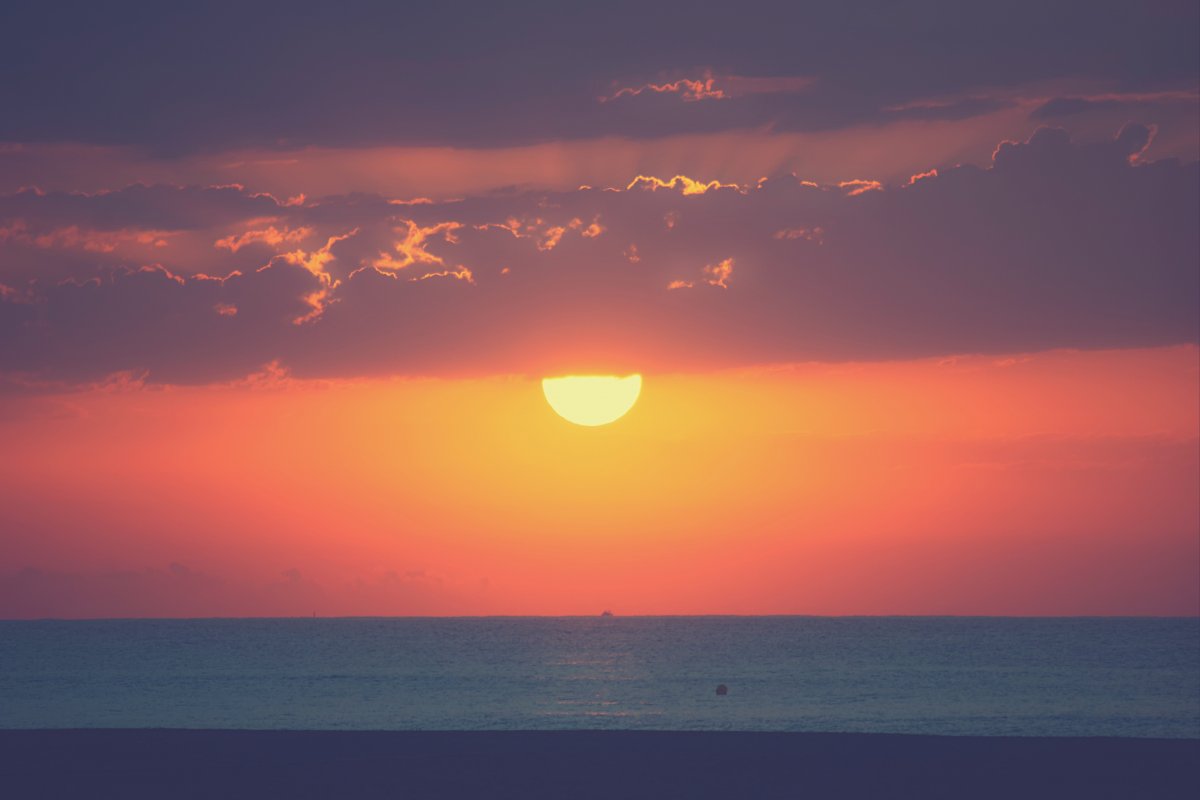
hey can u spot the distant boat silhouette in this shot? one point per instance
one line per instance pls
(722, 690)
(606, 613)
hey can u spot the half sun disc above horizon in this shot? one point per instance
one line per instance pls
(592, 399)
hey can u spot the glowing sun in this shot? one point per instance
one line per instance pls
(592, 399)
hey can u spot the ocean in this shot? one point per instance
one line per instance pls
(1132, 677)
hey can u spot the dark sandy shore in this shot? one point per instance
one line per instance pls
(585, 764)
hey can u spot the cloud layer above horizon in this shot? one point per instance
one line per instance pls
(601, 196)
(356, 74)
(1054, 245)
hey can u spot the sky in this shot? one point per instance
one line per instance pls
(914, 291)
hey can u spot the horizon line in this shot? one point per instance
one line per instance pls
(603, 616)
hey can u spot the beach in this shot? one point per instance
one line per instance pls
(172, 763)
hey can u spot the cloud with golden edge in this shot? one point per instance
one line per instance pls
(705, 87)
(315, 262)
(714, 275)
(857, 187)
(920, 176)
(551, 237)
(462, 274)
(270, 235)
(719, 273)
(546, 235)
(412, 247)
(689, 186)
(689, 90)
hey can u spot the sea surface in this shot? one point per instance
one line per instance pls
(956, 675)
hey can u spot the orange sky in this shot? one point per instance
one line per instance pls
(1059, 483)
(788, 242)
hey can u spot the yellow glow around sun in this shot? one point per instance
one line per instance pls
(592, 399)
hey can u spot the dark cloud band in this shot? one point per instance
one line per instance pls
(1056, 245)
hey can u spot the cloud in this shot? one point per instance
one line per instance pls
(316, 263)
(269, 235)
(18, 231)
(687, 90)
(954, 109)
(718, 274)
(1140, 102)
(777, 139)
(711, 87)
(1057, 244)
(146, 208)
(520, 75)
(412, 247)
(684, 183)
(713, 274)
(857, 186)
(808, 234)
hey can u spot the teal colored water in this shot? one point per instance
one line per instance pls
(989, 676)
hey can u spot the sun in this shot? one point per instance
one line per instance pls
(592, 399)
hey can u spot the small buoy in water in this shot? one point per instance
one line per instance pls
(722, 690)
